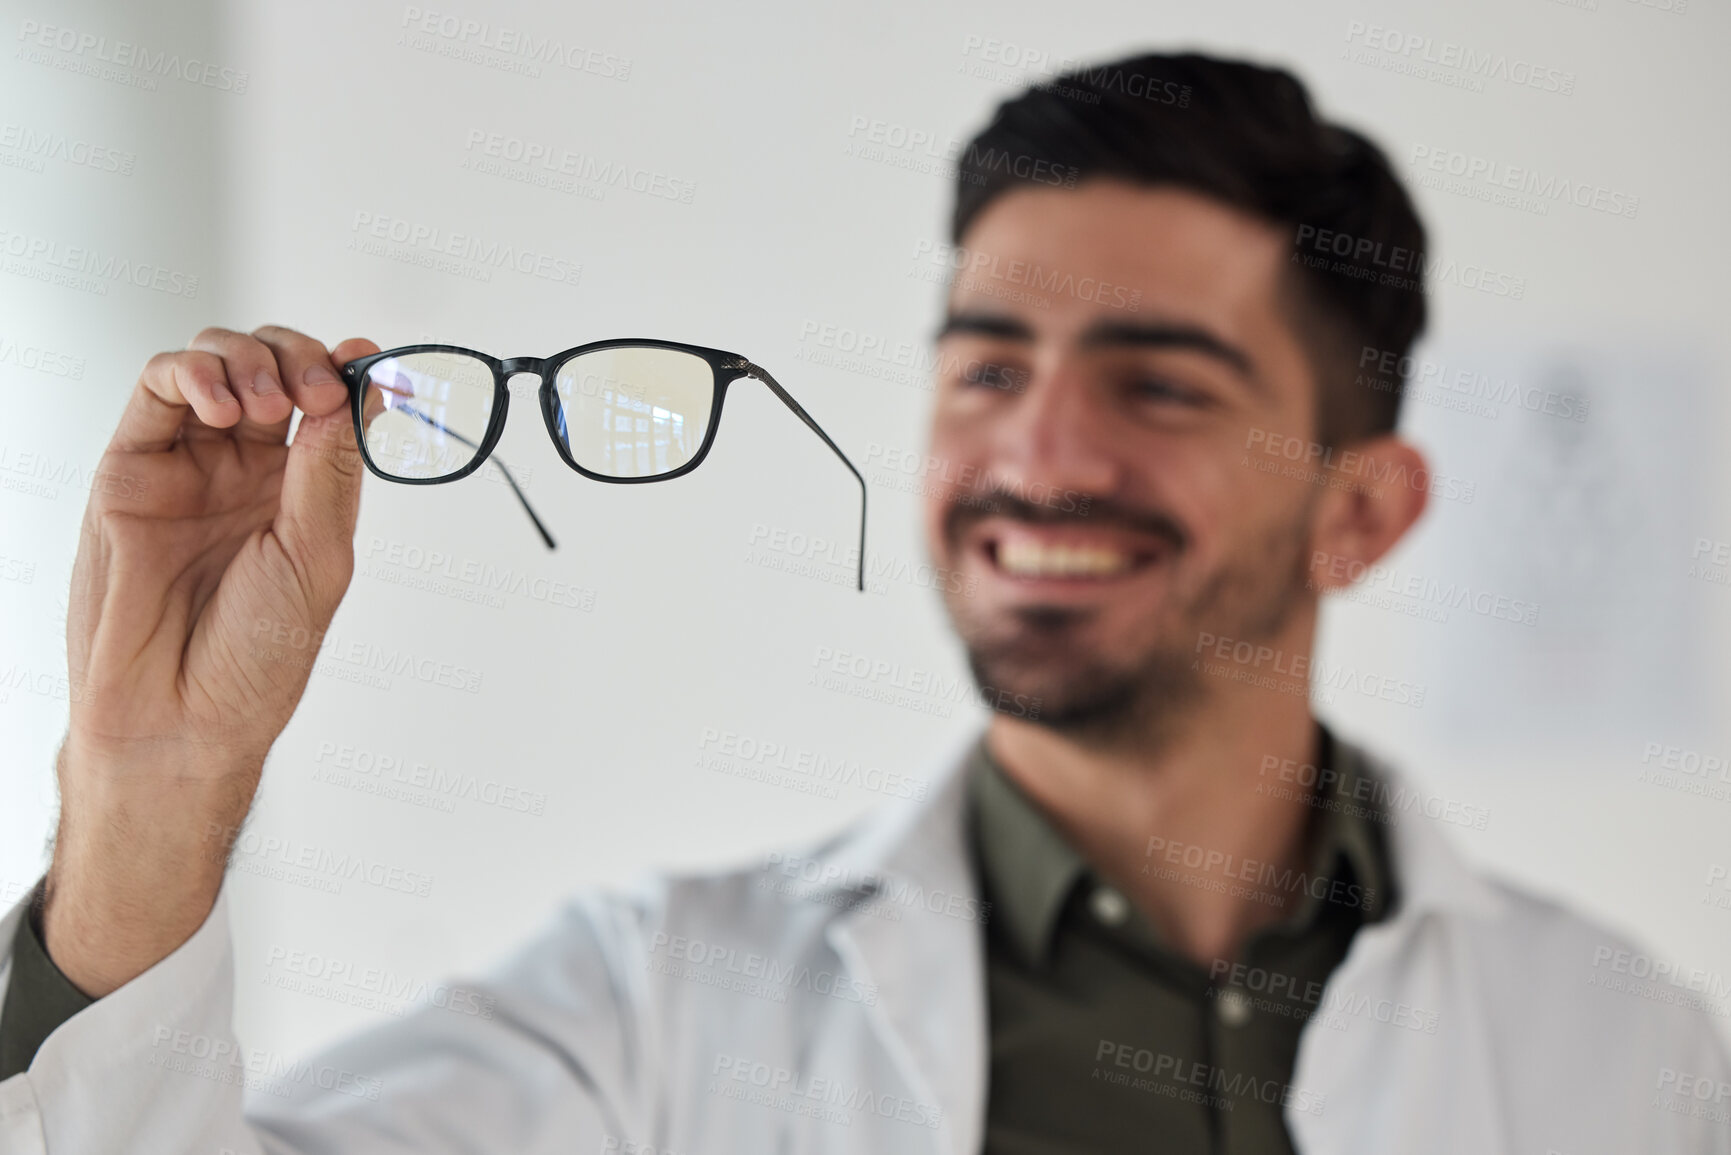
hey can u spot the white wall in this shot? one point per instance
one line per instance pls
(108, 175)
(602, 712)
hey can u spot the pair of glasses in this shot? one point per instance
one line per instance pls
(624, 411)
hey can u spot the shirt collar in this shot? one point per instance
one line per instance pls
(1029, 869)
(1353, 826)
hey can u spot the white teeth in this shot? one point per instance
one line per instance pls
(1031, 559)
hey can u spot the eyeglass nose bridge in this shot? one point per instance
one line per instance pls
(535, 365)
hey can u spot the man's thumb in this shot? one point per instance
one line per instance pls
(321, 489)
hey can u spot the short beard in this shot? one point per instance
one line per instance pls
(1251, 599)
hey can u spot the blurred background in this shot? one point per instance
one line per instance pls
(493, 724)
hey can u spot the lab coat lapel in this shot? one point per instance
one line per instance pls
(921, 943)
(1385, 1087)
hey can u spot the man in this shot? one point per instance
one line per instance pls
(1153, 906)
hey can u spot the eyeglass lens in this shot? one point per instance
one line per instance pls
(622, 411)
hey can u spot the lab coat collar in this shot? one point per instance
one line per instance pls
(1431, 875)
(929, 966)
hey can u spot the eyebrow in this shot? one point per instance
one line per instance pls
(1111, 334)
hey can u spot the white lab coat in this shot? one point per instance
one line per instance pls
(1475, 1020)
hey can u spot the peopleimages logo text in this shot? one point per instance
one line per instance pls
(1395, 266)
(124, 54)
(1480, 64)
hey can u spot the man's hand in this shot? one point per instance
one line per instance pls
(212, 558)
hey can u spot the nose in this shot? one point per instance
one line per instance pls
(1058, 435)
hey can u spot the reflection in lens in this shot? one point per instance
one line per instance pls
(426, 414)
(634, 410)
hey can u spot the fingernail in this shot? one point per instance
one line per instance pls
(263, 384)
(220, 391)
(317, 374)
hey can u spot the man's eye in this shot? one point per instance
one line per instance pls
(1156, 389)
(994, 375)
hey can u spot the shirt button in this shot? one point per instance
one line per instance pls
(1234, 1007)
(1109, 906)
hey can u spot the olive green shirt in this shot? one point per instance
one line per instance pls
(38, 997)
(1103, 1037)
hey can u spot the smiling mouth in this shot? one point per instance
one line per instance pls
(1031, 554)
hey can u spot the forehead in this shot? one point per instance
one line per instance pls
(1111, 248)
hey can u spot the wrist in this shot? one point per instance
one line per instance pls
(197, 769)
(107, 917)
(139, 858)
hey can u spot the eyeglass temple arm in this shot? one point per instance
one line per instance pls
(503, 468)
(762, 374)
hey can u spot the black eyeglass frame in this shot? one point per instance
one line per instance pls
(727, 368)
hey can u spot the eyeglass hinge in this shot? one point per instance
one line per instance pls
(745, 366)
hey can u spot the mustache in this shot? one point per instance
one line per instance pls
(966, 510)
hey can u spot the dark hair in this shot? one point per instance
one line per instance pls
(1247, 135)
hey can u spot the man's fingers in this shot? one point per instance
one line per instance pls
(352, 348)
(321, 492)
(253, 378)
(320, 502)
(306, 370)
(251, 381)
(171, 386)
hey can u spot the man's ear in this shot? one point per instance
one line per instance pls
(1377, 489)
